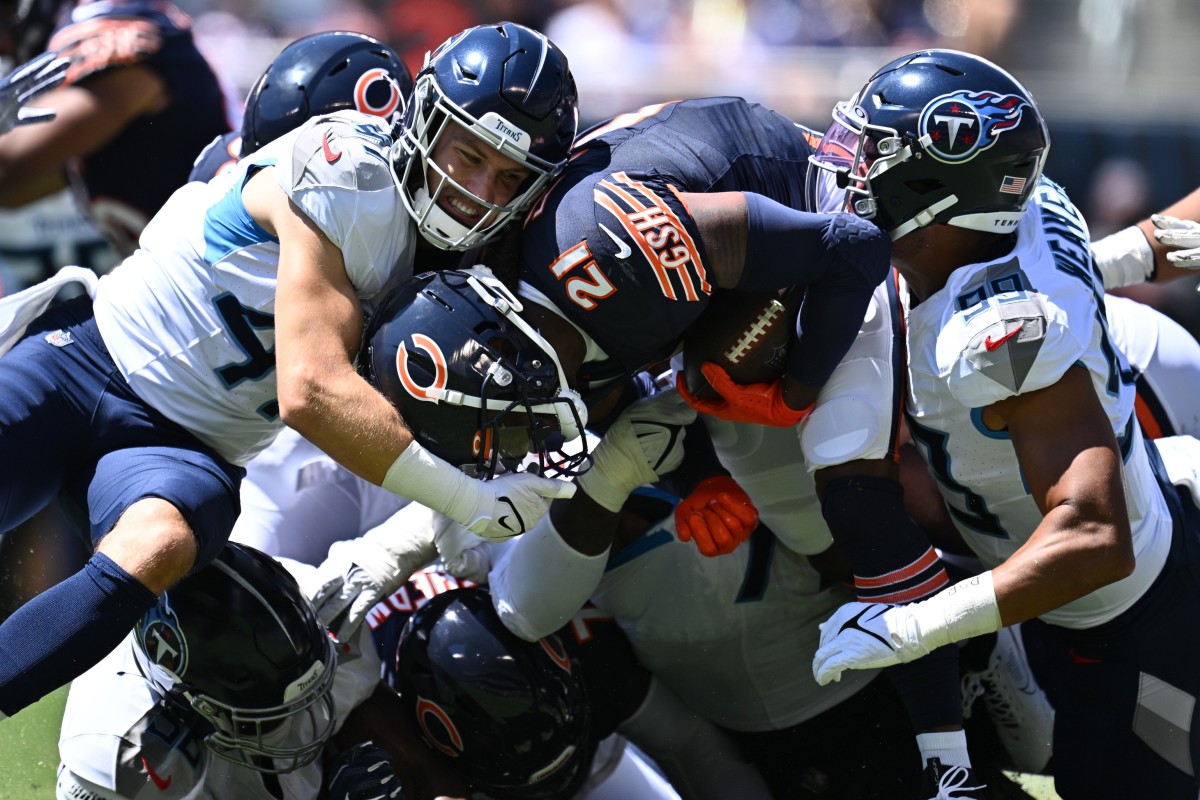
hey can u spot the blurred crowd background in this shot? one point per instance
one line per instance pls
(1118, 80)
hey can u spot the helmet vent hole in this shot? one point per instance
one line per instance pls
(951, 70)
(339, 67)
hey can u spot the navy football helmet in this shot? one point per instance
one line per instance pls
(511, 87)
(476, 384)
(936, 136)
(243, 645)
(30, 23)
(511, 716)
(322, 73)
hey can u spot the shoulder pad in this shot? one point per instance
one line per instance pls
(999, 349)
(345, 150)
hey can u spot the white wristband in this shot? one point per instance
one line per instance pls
(1124, 258)
(966, 609)
(424, 478)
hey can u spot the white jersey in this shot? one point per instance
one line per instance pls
(731, 636)
(116, 742)
(39, 237)
(297, 501)
(1165, 359)
(1007, 327)
(189, 317)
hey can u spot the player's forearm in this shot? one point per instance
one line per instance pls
(1067, 558)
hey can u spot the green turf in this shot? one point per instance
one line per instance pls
(29, 750)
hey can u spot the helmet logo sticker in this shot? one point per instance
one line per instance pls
(431, 392)
(558, 654)
(376, 93)
(961, 125)
(163, 640)
(426, 709)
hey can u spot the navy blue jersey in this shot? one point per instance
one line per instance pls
(126, 181)
(221, 154)
(614, 246)
(616, 681)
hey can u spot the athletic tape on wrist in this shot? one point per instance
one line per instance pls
(1124, 258)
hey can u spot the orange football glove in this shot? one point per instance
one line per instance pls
(718, 515)
(756, 403)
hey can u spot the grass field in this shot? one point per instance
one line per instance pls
(29, 750)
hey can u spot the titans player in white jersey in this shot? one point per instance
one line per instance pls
(242, 311)
(1024, 410)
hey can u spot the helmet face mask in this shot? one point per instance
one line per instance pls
(934, 137)
(511, 89)
(476, 384)
(241, 644)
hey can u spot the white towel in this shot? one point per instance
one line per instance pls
(20, 309)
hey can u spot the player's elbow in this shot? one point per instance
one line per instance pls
(1112, 558)
(862, 245)
(298, 391)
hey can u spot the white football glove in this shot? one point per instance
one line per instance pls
(38, 75)
(464, 554)
(866, 636)
(498, 509)
(358, 573)
(644, 443)
(871, 635)
(1183, 234)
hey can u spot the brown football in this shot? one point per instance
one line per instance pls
(747, 333)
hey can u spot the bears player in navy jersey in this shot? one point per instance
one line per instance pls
(656, 211)
(139, 103)
(1024, 410)
(242, 311)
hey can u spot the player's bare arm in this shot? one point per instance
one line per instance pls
(88, 116)
(318, 324)
(1070, 459)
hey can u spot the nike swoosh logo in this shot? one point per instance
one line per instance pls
(1078, 659)
(991, 344)
(624, 251)
(159, 782)
(852, 624)
(330, 156)
(503, 519)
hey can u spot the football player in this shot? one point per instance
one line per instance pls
(226, 688)
(1024, 410)
(138, 104)
(242, 311)
(616, 265)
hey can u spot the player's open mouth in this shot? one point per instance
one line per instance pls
(462, 209)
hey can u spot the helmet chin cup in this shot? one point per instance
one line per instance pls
(438, 227)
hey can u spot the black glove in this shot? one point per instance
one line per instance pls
(364, 772)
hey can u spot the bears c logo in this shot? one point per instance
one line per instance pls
(376, 93)
(557, 652)
(427, 712)
(431, 392)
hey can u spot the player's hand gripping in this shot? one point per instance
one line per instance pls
(756, 403)
(1183, 234)
(718, 516)
(26, 82)
(644, 443)
(364, 772)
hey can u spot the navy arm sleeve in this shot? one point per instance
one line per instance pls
(839, 258)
